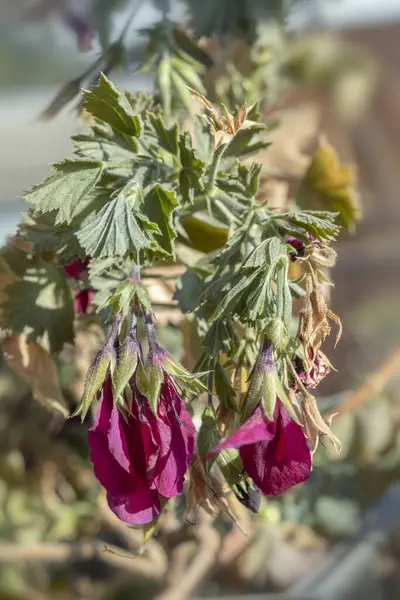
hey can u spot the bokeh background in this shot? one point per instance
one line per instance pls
(336, 537)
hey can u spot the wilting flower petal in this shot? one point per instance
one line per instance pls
(137, 456)
(177, 434)
(129, 495)
(274, 453)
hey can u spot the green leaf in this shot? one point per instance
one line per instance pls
(107, 103)
(103, 143)
(182, 91)
(188, 289)
(267, 253)
(186, 43)
(192, 171)
(116, 230)
(67, 190)
(283, 294)
(284, 398)
(320, 224)
(158, 206)
(229, 302)
(225, 391)
(167, 138)
(164, 83)
(40, 305)
(204, 234)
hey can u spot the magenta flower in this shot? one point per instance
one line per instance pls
(76, 268)
(275, 453)
(139, 458)
(82, 300)
(82, 297)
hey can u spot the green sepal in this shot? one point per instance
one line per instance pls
(176, 370)
(276, 332)
(126, 365)
(208, 436)
(269, 397)
(154, 382)
(224, 389)
(127, 292)
(95, 377)
(284, 398)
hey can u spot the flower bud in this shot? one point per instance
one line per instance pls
(104, 360)
(126, 364)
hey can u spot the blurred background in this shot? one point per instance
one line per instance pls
(338, 536)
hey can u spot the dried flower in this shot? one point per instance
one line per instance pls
(315, 426)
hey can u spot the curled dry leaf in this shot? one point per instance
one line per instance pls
(315, 426)
(31, 362)
(207, 492)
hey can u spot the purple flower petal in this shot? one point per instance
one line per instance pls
(275, 454)
(177, 434)
(82, 300)
(129, 495)
(75, 268)
(144, 439)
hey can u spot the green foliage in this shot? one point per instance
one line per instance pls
(67, 190)
(39, 303)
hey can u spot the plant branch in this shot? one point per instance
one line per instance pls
(62, 552)
(209, 544)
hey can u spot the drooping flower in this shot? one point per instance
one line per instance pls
(140, 458)
(275, 453)
(82, 300)
(82, 297)
(271, 441)
(76, 268)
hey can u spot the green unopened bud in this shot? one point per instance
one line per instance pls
(208, 436)
(275, 331)
(126, 364)
(104, 360)
(95, 378)
(154, 383)
(260, 380)
(242, 486)
(160, 362)
(224, 389)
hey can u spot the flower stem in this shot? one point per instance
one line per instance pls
(210, 381)
(151, 333)
(212, 176)
(297, 378)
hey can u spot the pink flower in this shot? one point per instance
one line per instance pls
(83, 297)
(82, 300)
(76, 268)
(275, 454)
(139, 458)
